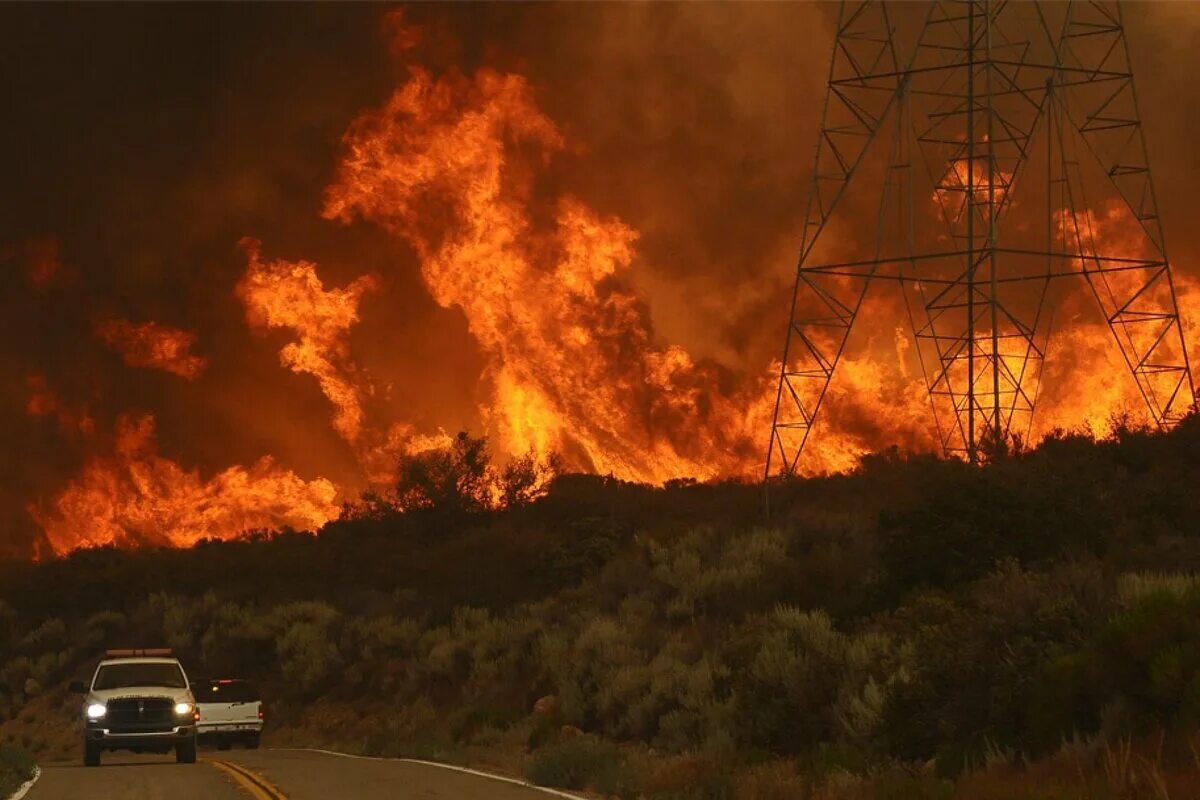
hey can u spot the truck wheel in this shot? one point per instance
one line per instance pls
(185, 752)
(91, 755)
(252, 741)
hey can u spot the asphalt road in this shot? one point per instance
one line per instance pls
(266, 775)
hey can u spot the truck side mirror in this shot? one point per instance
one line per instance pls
(78, 687)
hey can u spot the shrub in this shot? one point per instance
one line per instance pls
(688, 777)
(452, 480)
(1136, 586)
(778, 780)
(977, 662)
(1151, 652)
(50, 635)
(807, 683)
(578, 663)
(581, 762)
(308, 655)
(410, 731)
(526, 479)
(709, 571)
(16, 767)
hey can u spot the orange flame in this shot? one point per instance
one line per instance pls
(963, 177)
(572, 362)
(137, 497)
(1087, 381)
(573, 366)
(153, 345)
(282, 294)
(44, 402)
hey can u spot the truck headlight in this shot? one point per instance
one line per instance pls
(183, 708)
(96, 711)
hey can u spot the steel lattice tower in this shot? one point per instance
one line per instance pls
(991, 100)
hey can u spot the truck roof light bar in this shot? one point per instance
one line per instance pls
(141, 652)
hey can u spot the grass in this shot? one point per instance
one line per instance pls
(16, 767)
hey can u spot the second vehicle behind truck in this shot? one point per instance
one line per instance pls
(230, 711)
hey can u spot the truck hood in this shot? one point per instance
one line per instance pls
(104, 695)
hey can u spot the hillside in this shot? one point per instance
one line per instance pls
(918, 628)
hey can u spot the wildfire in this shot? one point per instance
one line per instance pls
(572, 362)
(449, 165)
(153, 345)
(1083, 353)
(44, 402)
(281, 294)
(964, 177)
(291, 296)
(137, 497)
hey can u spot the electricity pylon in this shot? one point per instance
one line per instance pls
(992, 101)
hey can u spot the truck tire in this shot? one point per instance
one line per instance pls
(91, 755)
(185, 752)
(253, 740)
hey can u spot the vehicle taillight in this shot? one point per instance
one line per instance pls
(260, 714)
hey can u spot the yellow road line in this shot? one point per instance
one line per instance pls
(254, 784)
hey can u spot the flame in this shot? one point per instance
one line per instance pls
(1087, 380)
(452, 166)
(291, 296)
(153, 345)
(44, 402)
(283, 294)
(573, 366)
(135, 497)
(962, 177)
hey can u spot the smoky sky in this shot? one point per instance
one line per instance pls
(142, 142)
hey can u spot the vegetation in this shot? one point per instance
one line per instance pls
(16, 767)
(916, 629)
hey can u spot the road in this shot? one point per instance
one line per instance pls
(267, 775)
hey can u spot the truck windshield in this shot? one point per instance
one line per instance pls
(122, 676)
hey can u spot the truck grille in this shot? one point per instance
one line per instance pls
(140, 715)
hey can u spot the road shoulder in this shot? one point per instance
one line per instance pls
(24, 788)
(464, 770)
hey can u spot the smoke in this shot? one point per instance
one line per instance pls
(646, 195)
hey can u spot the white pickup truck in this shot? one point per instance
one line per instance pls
(230, 710)
(138, 700)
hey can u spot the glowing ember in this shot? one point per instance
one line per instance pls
(153, 345)
(42, 262)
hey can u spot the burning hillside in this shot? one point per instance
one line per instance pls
(461, 171)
